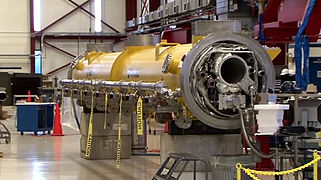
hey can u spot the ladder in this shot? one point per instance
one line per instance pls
(179, 158)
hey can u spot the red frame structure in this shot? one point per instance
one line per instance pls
(281, 19)
(280, 24)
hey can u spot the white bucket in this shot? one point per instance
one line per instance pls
(270, 117)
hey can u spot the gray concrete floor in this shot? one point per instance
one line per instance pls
(48, 157)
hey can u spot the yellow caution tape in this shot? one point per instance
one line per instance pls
(252, 173)
(106, 105)
(119, 132)
(90, 128)
(140, 125)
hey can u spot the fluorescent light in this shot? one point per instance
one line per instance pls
(98, 15)
(37, 15)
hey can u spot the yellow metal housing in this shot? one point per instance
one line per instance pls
(135, 63)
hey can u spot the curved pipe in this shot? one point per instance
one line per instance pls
(248, 142)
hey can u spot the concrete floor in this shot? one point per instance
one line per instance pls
(48, 157)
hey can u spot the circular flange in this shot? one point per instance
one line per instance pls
(193, 56)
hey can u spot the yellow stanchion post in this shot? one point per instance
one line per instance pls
(239, 173)
(315, 167)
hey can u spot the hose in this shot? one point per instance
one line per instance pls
(75, 113)
(303, 42)
(69, 76)
(249, 143)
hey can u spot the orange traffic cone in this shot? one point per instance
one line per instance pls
(57, 129)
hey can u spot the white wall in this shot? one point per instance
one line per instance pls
(14, 34)
(114, 14)
(79, 21)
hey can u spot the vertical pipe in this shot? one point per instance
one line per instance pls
(32, 37)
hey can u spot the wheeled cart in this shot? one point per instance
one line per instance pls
(35, 117)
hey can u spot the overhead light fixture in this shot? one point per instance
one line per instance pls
(37, 15)
(98, 14)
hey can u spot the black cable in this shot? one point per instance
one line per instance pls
(75, 113)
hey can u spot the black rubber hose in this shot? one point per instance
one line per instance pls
(75, 113)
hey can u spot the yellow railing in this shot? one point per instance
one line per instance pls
(252, 173)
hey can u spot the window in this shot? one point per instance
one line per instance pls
(37, 15)
(98, 13)
(38, 62)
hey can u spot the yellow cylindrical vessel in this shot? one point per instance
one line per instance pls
(135, 63)
(208, 81)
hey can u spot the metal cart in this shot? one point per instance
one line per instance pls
(35, 117)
